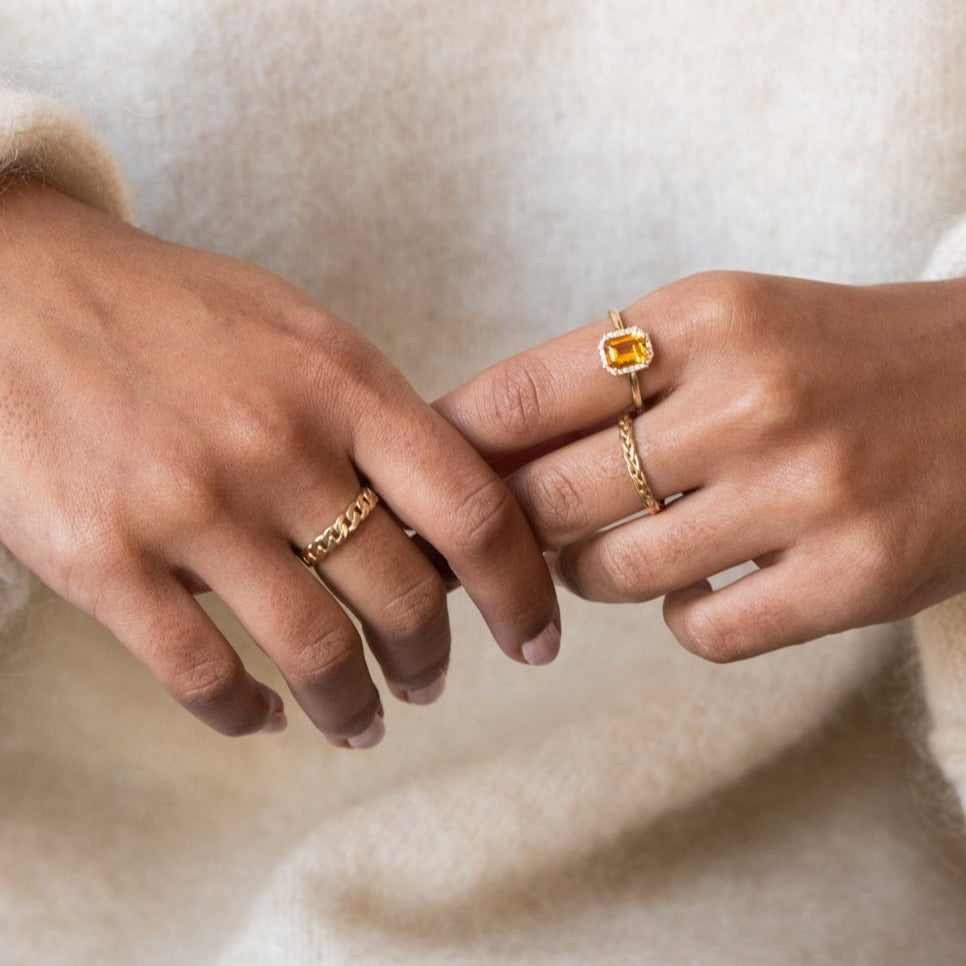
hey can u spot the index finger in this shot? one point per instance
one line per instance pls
(438, 485)
(560, 390)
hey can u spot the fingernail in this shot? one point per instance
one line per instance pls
(276, 721)
(371, 736)
(544, 647)
(427, 694)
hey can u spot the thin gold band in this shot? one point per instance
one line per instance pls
(345, 524)
(615, 317)
(625, 426)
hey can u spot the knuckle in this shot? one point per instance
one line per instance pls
(770, 404)
(483, 518)
(630, 573)
(735, 311)
(414, 611)
(209, 685)
(731, 298)
(511, 396)
(178, 489)
(332, 363)
(704, 635)
(708, 297)
(326, 659)
(257, 433)
(679, 543)
(552, 501)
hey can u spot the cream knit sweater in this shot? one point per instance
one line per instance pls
(511, 169)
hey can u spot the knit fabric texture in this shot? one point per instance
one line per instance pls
(502, 173)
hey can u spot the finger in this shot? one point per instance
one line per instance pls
(774, 607)
(700, 535)
(301, 627)
(561, 387)
(439, 486)
(437, 561)
(399, 598)
(584, 486)
(163, 626)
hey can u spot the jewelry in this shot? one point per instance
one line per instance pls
(625, 426)
(338, 533)
(625, 351)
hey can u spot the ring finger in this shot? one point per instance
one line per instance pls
(400, 598)
(576, 490)
(300, 626)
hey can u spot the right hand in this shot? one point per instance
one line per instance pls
(173, 420)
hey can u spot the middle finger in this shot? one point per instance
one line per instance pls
(576, 490)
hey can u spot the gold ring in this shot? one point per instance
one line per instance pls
(625, 426)
(345, 523)
(625, 351)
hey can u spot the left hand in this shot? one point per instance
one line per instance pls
(818, 430)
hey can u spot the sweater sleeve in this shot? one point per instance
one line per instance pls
(940, 631)
(39, 137)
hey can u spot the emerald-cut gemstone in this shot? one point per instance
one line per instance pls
(625, 351)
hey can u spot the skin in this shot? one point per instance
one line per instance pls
(818, 430)
(173, 420)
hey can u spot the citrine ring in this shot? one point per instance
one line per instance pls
(624, 352)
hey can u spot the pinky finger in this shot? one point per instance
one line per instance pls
(763, 611)
(166, 629)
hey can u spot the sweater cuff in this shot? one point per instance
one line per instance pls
(40, 137)
(941, 640)
(941, 630)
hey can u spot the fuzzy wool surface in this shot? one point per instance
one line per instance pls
(499, 174)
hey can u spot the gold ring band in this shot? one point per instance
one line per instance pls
(625, 351)
(625, 426)
(345, 523)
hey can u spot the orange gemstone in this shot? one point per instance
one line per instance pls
(626, 350)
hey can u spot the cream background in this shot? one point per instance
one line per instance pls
(502, 173)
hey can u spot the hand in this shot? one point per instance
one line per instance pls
(817, 430)
(173, 420)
